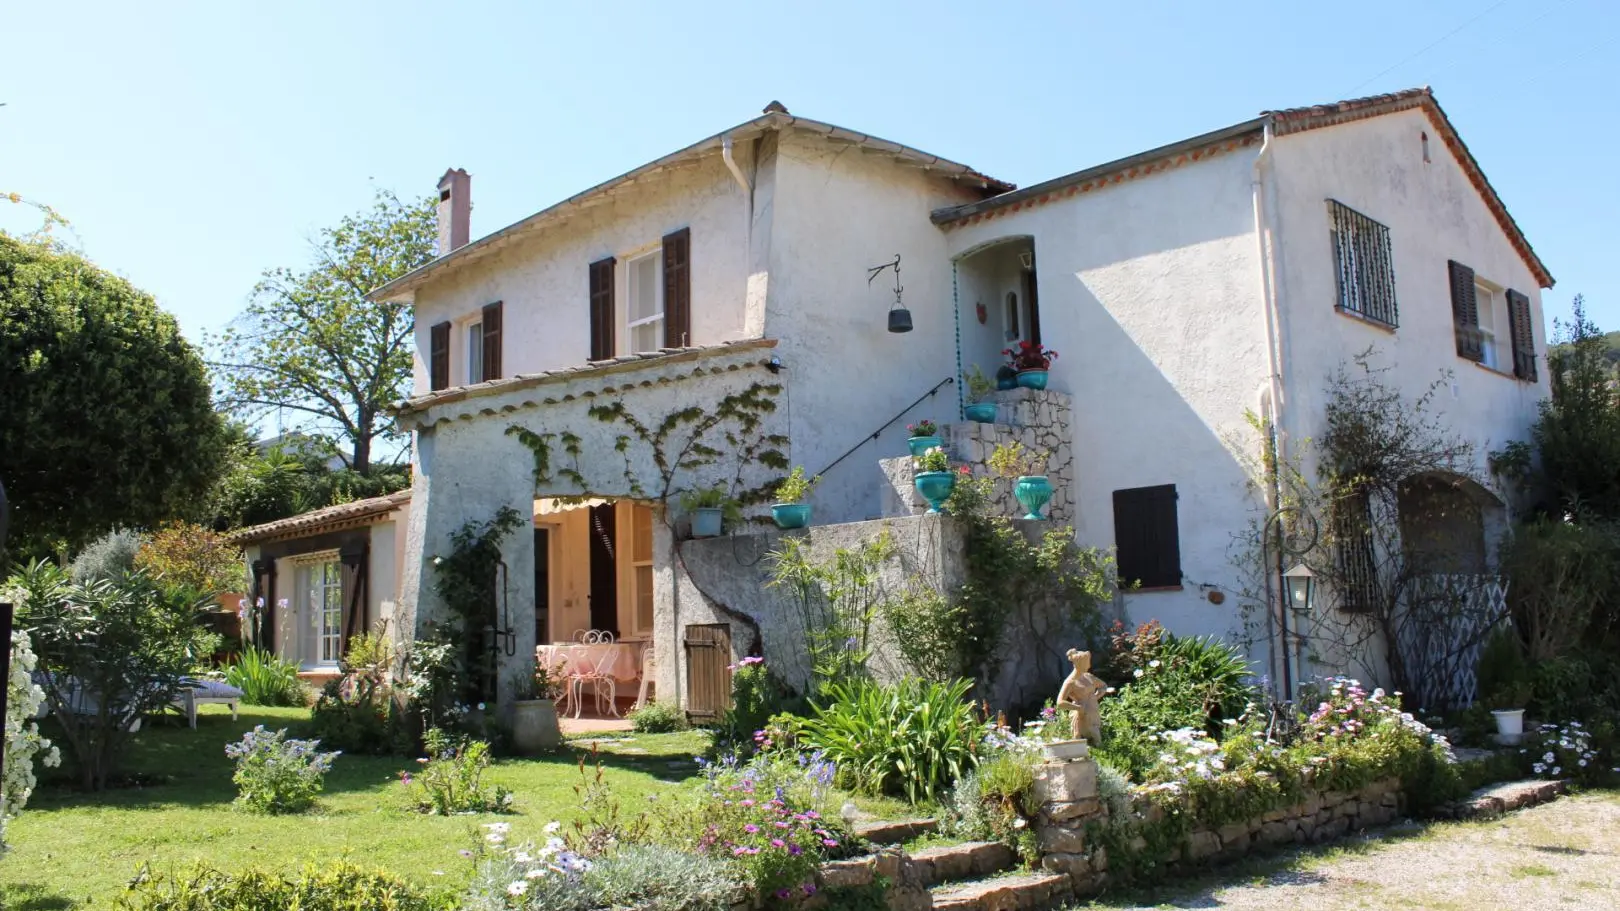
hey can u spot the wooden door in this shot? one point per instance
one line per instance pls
(708, 670)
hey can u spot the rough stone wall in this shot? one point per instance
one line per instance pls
(717, 579)
(1067, 792)
(1041, 420)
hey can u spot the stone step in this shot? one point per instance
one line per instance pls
(1495, 800)
(969, 860)
(1017, 892)
(895, 831)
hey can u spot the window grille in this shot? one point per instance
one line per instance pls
(1363, 265)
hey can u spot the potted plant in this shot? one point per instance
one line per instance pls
(534, 714)
(790, 510)
(1031, 361)
(924, 436)
(979, 388)
(710, 507)
(934, 479)
(1006, 376)
(1021, 466)
(1507, 708)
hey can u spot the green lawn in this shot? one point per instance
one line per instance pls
(76, 850)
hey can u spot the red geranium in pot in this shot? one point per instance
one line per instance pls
(1032, 361)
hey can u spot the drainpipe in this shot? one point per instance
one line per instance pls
(731, 165)
(1274, 358)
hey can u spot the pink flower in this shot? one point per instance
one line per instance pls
(751, 829)
(830, 842)
(778, 843)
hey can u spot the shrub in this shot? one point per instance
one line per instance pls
(451, 778)
(265, 678)
(356, 712)
(110, 556)
(1562, 575)
(913, 738)
(110, 652)
(551, 877)
(756, 696)
(1503, 676)
(334, 886)
(277, 775)
(191, 558)
(927, 630)
(658, 718)
(21, 734)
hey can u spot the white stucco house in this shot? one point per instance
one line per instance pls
(566, 362)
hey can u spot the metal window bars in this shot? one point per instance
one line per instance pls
(1363, 266)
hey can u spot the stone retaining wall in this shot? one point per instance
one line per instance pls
(1070, 806)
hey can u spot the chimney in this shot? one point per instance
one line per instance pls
(455, 209)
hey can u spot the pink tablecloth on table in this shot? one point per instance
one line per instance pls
(618, 660)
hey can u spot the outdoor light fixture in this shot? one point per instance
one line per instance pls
(1299, 583)
(899, 316)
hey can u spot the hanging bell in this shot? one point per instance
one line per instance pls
(899, 319)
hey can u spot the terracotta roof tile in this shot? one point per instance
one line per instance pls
(318, 520)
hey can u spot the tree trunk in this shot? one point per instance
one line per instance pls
(361, 461)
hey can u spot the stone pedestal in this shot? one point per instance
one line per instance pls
(1067, 793)
(900, 496)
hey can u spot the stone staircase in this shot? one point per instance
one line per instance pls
(971, 876)
(1040, 419)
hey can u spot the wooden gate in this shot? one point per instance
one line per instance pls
(708, 670)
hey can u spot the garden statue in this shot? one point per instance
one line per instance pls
(1080, 692)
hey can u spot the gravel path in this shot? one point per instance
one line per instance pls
(1561, 855)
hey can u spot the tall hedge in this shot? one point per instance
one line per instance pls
(105, 411)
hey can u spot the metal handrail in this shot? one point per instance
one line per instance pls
(885, 425)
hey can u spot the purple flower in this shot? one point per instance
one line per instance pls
(751, 829)
(830, 842)
(784, 893)
(795, 850)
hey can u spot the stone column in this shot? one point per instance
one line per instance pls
(1067, 793)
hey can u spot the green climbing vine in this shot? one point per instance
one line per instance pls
(540, 445)
(740, 416)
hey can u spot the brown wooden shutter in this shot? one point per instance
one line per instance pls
(1146, 537)
(1465, 312)
(678, 289)
(492, 341)
(353, 579)
(439, 357)
(602, 309)
(1523, 333)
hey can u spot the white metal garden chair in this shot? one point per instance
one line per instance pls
(648, 665)
(597, 673)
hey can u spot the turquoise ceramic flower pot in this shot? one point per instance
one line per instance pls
(935, 487)
(1006, 382)
(920, 445)
(706, 521)
(1033, 491)
(791, 515)
(1032, 379)
(982, 412)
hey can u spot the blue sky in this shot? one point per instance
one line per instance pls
(193, 146)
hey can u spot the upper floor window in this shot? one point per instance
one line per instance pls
(1363, 266)
(645, 315)
(1482, 313)
(475, 352)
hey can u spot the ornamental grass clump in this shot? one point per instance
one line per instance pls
(277, 775)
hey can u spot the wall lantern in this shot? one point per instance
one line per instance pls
(899, 316)
(1299, 583)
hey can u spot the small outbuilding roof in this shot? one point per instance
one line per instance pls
(320, 521)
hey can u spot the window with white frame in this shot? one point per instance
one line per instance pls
(645, 313)
(320, 611)
(1490, 301)
(641, 563)
(475, 352)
